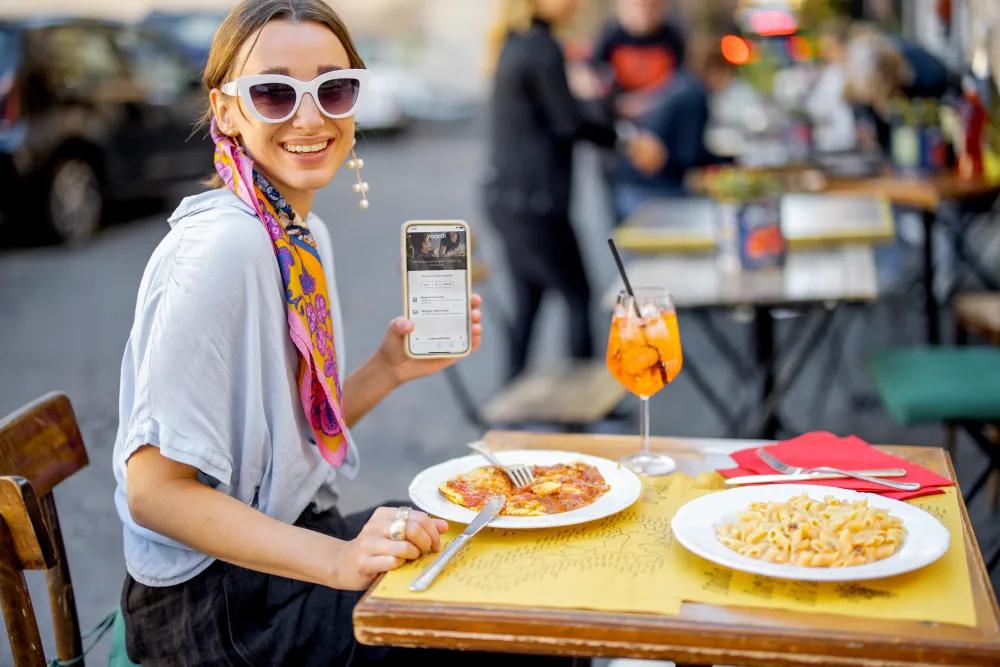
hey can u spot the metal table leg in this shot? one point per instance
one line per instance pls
(764, 354)
(964, 256)
(930, 300)
(771, 401)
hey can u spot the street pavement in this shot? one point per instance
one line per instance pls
(65, 315)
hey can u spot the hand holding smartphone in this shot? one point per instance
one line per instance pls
(436, 287)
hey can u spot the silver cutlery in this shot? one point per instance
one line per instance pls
(489, 512)
(804, 477)
(520, 474)
(786, 469)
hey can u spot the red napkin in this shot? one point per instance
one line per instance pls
(820, 448)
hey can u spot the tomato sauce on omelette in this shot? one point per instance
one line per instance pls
(557, 488)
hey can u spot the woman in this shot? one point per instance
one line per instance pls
(234, 421)
(879, 69)
(451, 245)
(534, 123)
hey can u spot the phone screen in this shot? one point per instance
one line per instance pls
(437, 288)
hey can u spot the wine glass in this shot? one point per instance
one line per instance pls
(644, 354)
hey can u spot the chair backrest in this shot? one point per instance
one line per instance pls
(40, 446)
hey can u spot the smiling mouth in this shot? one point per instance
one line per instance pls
(305, 149)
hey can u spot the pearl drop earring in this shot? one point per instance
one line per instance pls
(360, 186)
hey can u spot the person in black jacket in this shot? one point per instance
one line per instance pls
(534, 123)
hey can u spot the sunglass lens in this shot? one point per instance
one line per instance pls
(338, 96)
(273, 100)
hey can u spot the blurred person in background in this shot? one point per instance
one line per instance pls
(831, 115)
(640, 50)
(451, 245)
(879, 68)
(534, 122)
(234, 424)
(679, 119)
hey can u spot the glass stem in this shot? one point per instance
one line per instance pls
(644, 424)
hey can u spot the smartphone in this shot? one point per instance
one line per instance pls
(436, 287)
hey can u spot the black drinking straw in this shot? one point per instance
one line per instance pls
(621, 270)
(635, 305)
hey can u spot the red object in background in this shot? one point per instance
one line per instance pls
(944, 11)
(970, 160)
(773, 22)
(735, 49)
(642, 67)
(799, 48)
(10, 101)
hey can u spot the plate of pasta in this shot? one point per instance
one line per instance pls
(810, 532)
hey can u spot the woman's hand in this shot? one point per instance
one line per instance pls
(373, 552)
(392, 355)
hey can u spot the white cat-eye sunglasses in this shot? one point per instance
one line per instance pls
(274, 98)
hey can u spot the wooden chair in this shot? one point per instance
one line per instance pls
(40, 446)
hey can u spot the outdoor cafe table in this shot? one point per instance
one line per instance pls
(702, 633)
(928, 195)
(821, 279)
(688, 224)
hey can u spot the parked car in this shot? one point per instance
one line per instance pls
(91, 111)
(383, 109)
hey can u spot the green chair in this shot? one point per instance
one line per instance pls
(118, 657)
(939, 384)
(959, 386)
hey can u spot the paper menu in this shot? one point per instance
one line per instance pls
(630, 562)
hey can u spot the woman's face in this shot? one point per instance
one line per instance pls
(304, 152)
(426, 246)
(453, 236)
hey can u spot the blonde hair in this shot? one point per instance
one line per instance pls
(511, 16)
(244, 23)
(874, 69)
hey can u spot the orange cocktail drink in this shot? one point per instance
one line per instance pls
(645, 355)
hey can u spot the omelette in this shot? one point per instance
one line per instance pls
(557, 488)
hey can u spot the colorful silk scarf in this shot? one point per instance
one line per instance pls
(306, 298)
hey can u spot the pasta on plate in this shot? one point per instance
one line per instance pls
(814, 533)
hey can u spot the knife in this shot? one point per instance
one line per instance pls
(489, 512)
(762, 479)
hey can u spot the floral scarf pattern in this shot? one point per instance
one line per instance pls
(306, 297)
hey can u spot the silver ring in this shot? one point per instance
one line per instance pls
(397, 529)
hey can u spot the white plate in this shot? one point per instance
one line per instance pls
(695, 523)
(625, 489)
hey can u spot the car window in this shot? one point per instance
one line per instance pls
(154, 66)
(77, 57)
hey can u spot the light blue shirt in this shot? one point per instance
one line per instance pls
(210, 377)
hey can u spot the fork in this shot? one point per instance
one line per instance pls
(519, 473)
(785, 469)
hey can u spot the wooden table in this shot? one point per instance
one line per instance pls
(923, 193)
(926, 194)
(702, 633)
(821, 280)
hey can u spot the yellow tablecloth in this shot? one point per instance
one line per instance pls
(630, 562)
